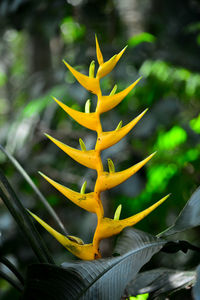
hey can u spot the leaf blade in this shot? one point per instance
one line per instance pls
(188, 218)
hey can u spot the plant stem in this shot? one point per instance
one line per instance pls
(14, 283)
(12, 268)
(36, 190)
(23, 220)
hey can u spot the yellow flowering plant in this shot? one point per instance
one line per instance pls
(93, 277)
(106, 227)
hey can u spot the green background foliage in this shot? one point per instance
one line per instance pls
(163, 47)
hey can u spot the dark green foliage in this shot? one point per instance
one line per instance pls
(196, 288)
(99, 279)
(160, 281)
(35, 37)
(188, 218)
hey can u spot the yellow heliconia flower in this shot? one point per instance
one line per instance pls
(85, 201)
(109, 65)
(107, 180)
(88, 120)
(86, 158)
(91, 202)
(73, 244)
(109, 227)
(110, 138)
(90, 83)
(106, 103)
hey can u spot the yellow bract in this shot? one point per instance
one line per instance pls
(91, 158)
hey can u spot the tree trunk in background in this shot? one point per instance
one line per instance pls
(132, 14)
(40, 64)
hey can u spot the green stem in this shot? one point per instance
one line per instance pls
(12, 268)
(36, 190)
(14, 283)
(23, 220)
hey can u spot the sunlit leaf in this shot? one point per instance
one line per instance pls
(141, 38)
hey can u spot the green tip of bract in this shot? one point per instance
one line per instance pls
(87, 106)
(82, 191)
(111, 166)
(119, 126)
(118, 212)
(82, 144)
(113, 90)
(92, 69)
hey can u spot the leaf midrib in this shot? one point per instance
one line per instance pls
(124, 256)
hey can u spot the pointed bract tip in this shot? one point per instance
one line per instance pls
(41, 173)
(122, 51)
(46, 134)
(54, 98)
(151, 155)
(143, 113)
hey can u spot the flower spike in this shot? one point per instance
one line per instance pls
(91, 202)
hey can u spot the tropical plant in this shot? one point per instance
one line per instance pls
(91, 202)
(94, 277)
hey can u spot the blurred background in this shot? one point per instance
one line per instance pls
(163, 39)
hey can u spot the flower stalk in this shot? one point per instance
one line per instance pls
(91, 202)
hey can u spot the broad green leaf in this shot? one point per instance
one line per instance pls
(98, 279)
(188, 218)
(160, 281)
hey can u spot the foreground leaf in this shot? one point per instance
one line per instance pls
(19, 213)
(196, 288)
(98, 279)
(160, 281)
(188, 218)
